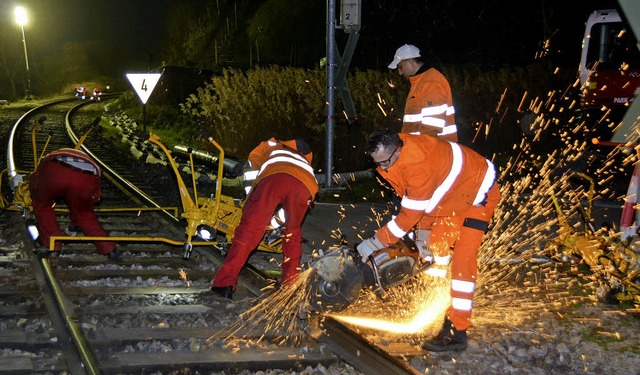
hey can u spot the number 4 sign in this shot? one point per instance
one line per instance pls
(144, 83)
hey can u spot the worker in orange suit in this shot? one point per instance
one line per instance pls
(283, 177)
(450, 190)
(96, 94)
(429, 107)
(71, 175)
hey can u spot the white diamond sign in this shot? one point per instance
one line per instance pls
(144, 83)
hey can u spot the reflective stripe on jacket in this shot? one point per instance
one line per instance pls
(273, 156)
(429, 108)
(435, 178)
(75, 158)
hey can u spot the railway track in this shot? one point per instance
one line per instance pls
(80, 313)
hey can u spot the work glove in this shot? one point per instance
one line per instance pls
(368, 247)
(423, 237)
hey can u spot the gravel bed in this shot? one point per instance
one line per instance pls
(568, 335)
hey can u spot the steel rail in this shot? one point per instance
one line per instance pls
(72, 356)
(11, 164)
(78, 357)
(356, 351)
(112, 175)
(88, 360)
(345, 343)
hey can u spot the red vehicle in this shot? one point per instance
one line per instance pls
(609, 72)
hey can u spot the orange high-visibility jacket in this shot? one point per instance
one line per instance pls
(436, 178)
(429, 107)
(273, 156)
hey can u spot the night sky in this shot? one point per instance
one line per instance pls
(136, 26)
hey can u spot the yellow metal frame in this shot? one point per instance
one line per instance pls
(53, 240)
(571, 241)
(221, 212)
(599, 252)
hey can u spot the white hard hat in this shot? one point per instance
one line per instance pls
(408, 51)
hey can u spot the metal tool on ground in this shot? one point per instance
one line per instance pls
(21, 200)
(216, 214)
(614, 263)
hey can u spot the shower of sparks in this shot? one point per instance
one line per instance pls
(429, 302)
(184, 276)
(518, 274)
(274, 317)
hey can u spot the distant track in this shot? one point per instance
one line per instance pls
(153, 311)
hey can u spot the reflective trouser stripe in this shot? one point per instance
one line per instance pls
(462, 286)
(442, 260)
(436, 272)
(461, 304)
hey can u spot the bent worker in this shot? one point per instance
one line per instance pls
(429, 107)
(96, 94)
(449, 190)
(283, 178)
(71, 175)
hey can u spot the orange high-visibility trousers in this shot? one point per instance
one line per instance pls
(463, 234)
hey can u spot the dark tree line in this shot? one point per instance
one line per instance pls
(216, 34)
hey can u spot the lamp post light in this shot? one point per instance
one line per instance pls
(21, 19)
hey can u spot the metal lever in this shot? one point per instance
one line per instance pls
(376, 274)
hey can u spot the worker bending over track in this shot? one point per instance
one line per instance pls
(283, 178)
(449, 192)
(72, 175)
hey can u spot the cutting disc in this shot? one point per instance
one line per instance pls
(336, 282)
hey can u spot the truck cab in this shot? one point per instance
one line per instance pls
(609, 72)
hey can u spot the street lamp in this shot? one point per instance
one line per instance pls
(21, 19)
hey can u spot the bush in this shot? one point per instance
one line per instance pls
(240, 109)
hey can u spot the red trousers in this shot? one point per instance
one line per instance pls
(267, 195)
(80, 191)
(462, 233)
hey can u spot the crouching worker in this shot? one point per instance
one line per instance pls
(449, 191)
(71, 175)
(283, 178)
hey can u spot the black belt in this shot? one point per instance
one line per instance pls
(72, 167)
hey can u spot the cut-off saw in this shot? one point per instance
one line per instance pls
(339, 274)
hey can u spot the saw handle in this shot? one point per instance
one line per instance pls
(376, 274)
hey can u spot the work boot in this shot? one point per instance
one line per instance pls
(449, 338)
(41, 250)
(73, 230)
(44, 251)
(114, 256)
(224, 291)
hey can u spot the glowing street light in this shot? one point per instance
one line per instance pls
(21, 19)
